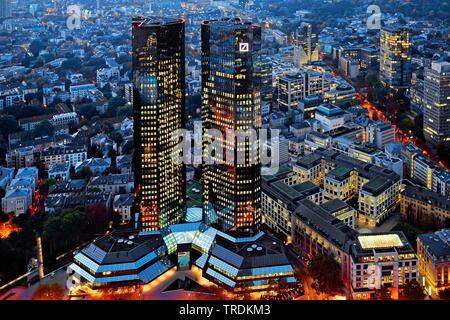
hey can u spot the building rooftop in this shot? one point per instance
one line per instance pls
(305, 186)
(381, 243)
(309, 161)
(425, 195)
(437, 244)
(335, 205)
(327, 225)
(329, 110)
(121, 246)
(340, 172)
(377, 185)
(123, 200)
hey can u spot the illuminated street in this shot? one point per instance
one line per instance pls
(399, 134)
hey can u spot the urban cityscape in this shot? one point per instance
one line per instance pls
(224, 150)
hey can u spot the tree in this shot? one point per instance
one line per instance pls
(289, 118)
(371, 77)
(43, 187)
(74, 64)
(445, 294)
(413, 291)
(383, 294)
(116, 102)
(49, 292)
(126, 110)
(62, 231)
(35, 47)
(326, 273)
(43, 128)
(88, 111)
(98, 218)
(116, 137)
(84, 173)
(8, 125)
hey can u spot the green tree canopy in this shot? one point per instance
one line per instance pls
(43, 128)
(326, 273)
(413, 291)
(8, 125)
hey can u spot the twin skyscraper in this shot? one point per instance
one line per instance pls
(231, 93)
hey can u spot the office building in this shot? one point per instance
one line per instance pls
(280, 196)
(341, 176)
(424, 208)
(158, 102)
(266, 79)
(433, 251)
(436, 111)
(231, 99)
(395, 57)
(125, 257)
(381, 260)
(330, 117)
(6, 9)
(294, 87)
(307, 49)
(430, 174)
(380, 133)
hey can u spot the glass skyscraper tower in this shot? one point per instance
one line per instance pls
(158, 103)
(395, 57)
(231, 100)
(307, 49)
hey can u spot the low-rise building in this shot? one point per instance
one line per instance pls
(341, 210)
(430, 174)
(238, 264)
(315, 231)
(422, 207)
(433, 251)
(315, 140)
(330, 117)
(20, 157)
(279, 200)
(96, 165)
(6, 175)
(124, 163)
(28, 172)
(343, 177)
(114, 183)
(341, 183)
(378, 198)
(59, 171)
(381, 260)
(59, 201)
(380, 134)
(70, 153)
(16, 201)
(122, 206)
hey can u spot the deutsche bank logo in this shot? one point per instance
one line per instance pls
(243, 47)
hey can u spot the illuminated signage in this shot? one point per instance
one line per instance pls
(243, 47)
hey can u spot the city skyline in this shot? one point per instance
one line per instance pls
(224, 150)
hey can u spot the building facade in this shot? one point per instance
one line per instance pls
(307, 49)
(395, 57)
(433, 251)
(231, 100)
(158, 103)
(436, 111)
